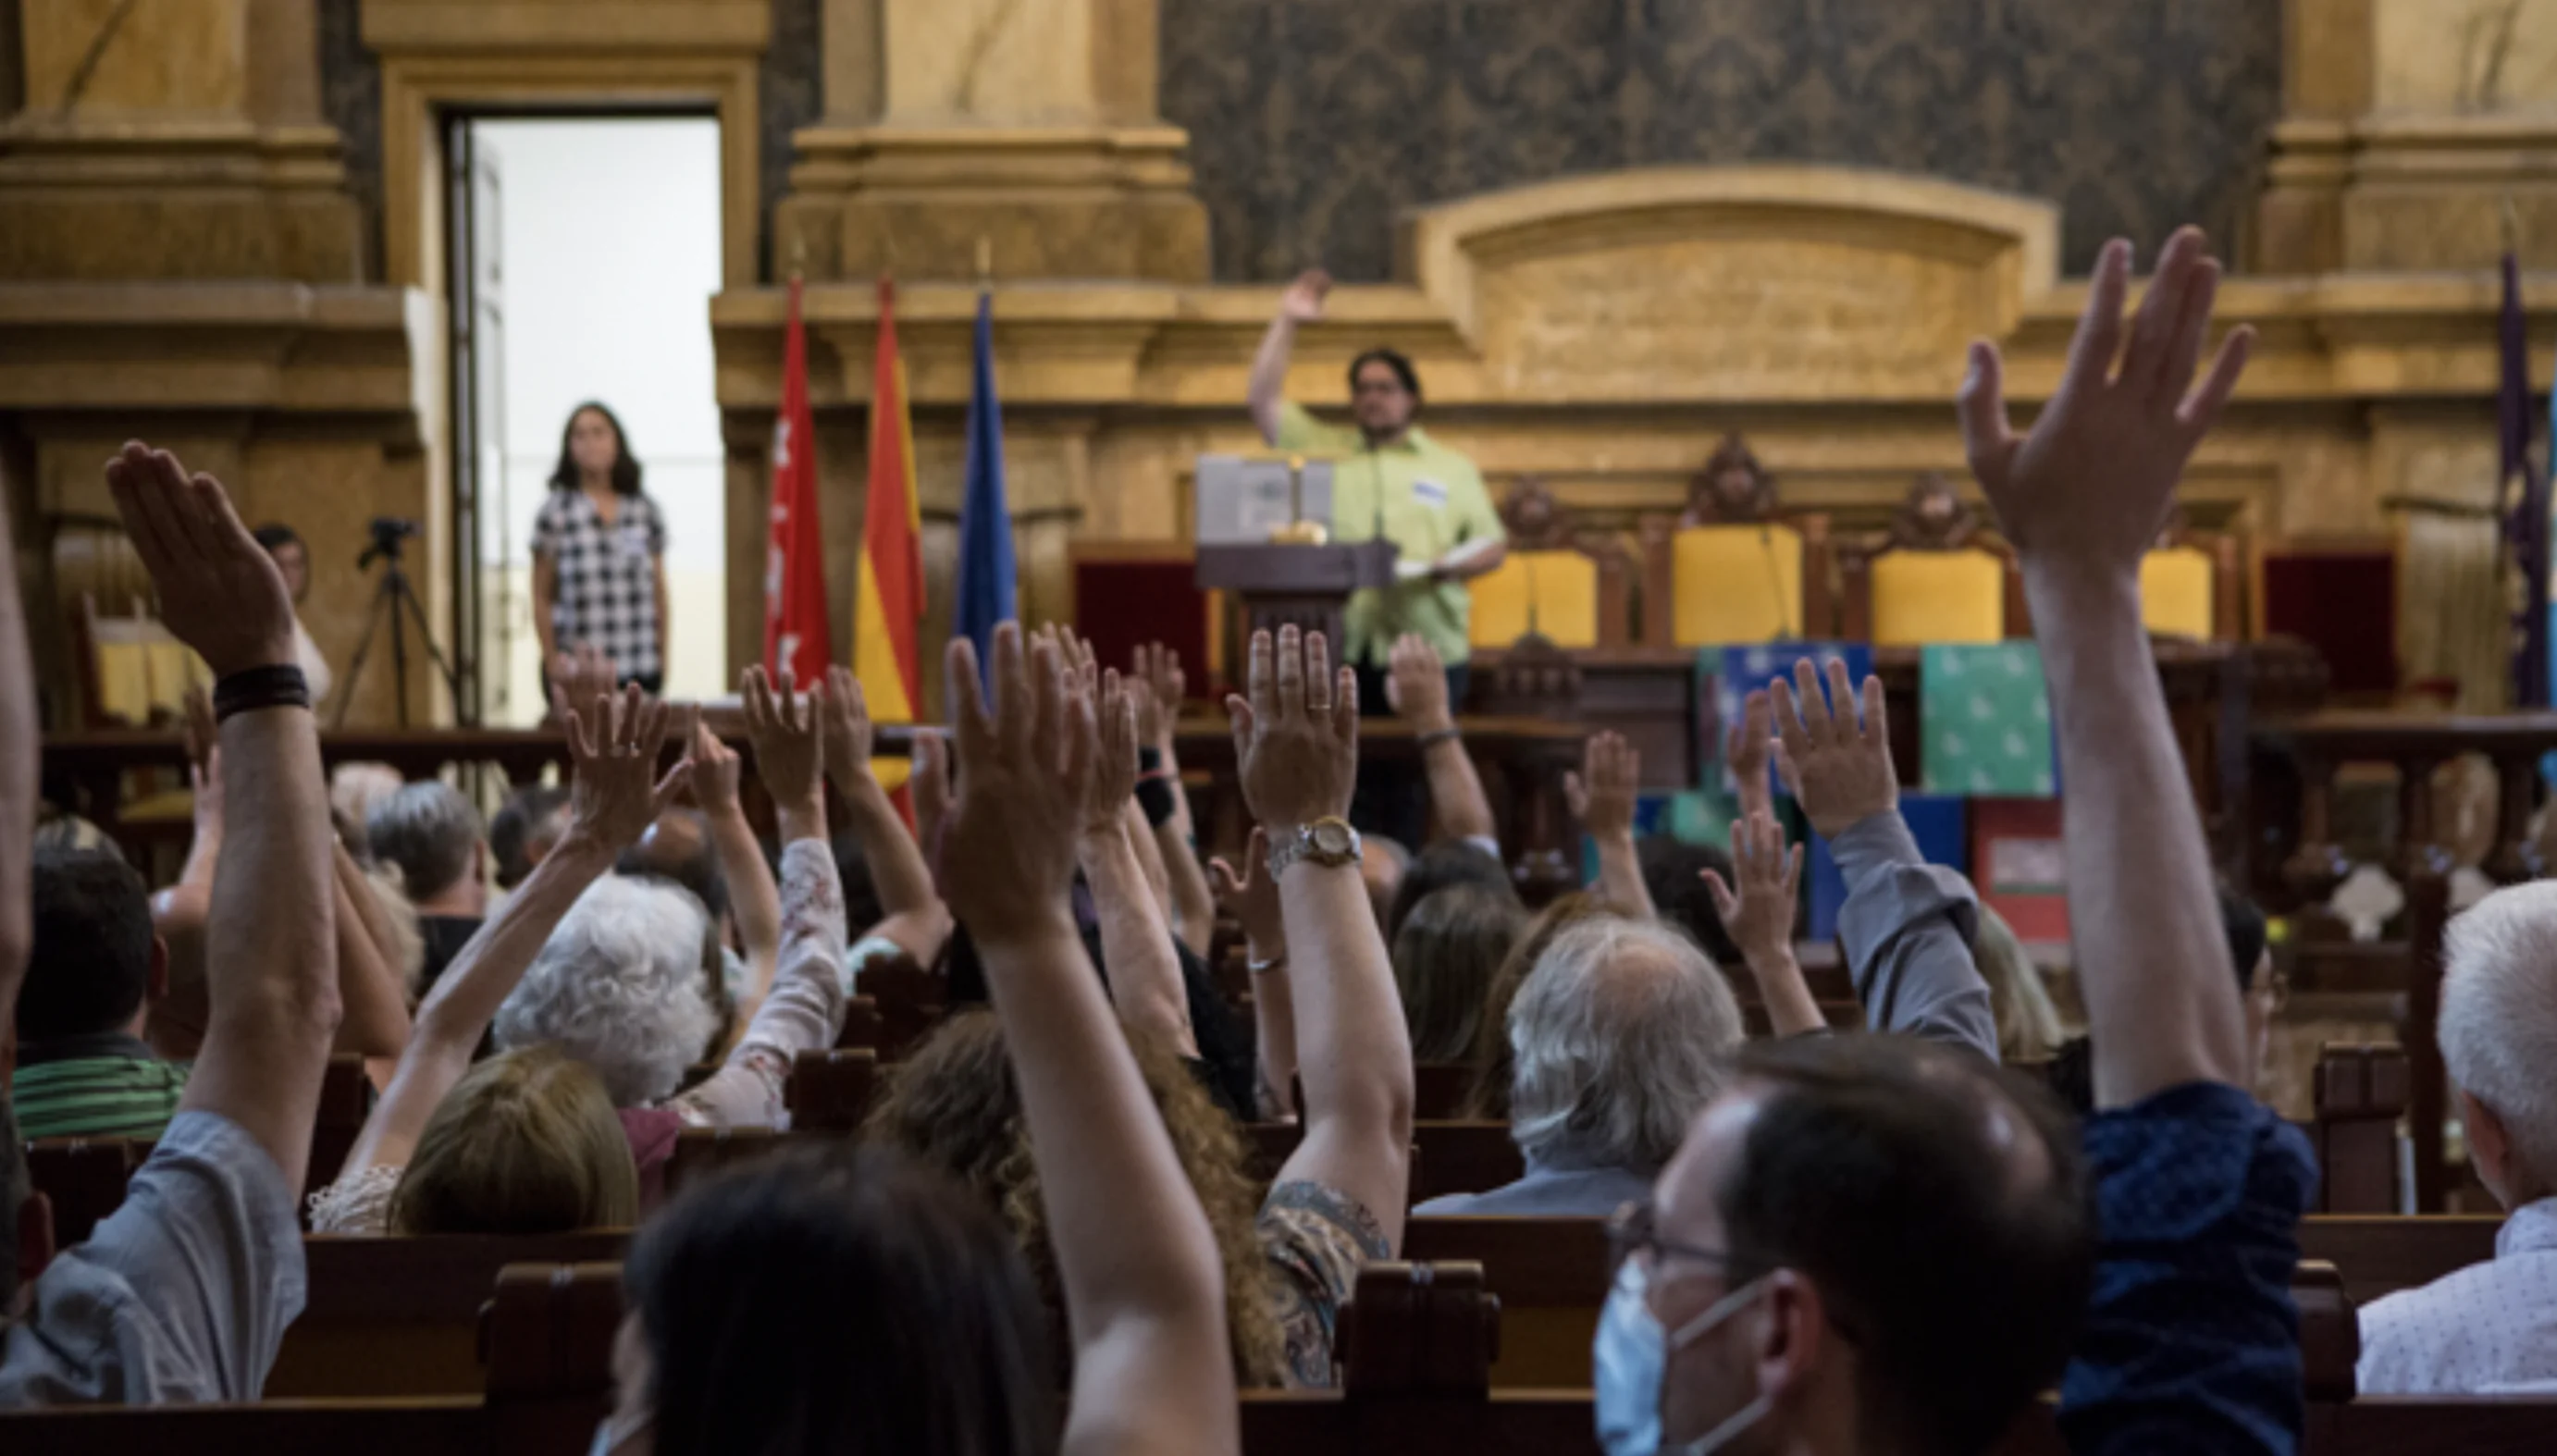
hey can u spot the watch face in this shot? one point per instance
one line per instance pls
(1332, 839)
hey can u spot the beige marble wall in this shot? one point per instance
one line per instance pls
(2464, 55)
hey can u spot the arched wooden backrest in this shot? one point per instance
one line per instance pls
(831, 1091)
(1733, 585)
(1418, 1329)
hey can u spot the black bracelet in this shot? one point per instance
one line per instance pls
(1150, 760)
(1433, 738)
(279, 685)
(1154, 796)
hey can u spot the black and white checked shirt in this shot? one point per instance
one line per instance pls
(607, 578)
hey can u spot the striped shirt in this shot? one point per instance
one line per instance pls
(104, 1086)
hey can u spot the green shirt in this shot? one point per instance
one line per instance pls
(1434, 501)
(109, 1086)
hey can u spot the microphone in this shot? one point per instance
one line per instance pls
(1787, 628)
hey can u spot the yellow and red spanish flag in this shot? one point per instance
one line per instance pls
(795, 633)
(887, 609)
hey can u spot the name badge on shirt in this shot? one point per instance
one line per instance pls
(1429, 494)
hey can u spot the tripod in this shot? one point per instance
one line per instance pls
(394, 600)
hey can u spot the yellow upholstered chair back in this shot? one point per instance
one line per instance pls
(1923, 597)
(1554, 592)
(1736, 585)
(138, 671)
(2179, 593)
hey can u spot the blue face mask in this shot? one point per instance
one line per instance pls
(1632, 1355)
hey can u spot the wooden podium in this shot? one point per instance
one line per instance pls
(1300, 586)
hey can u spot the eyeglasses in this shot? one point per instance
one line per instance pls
(1635, 1229)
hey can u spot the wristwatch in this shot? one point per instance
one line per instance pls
(1327, 840)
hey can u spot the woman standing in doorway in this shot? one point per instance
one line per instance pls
(599, 555)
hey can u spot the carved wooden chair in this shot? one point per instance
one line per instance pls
(1570, 587)
(2194, 585)
(1931, 578)
(1732, 569)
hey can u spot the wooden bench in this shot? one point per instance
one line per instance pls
(85, 1177)
(1446, 1156)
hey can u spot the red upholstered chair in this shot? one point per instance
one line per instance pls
(1131, 593)
(2339, 595)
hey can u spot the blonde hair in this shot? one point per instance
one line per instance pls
(956, 1105)
(526, 1143)
(2028, 1024)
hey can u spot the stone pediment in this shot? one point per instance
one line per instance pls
(1732, 282)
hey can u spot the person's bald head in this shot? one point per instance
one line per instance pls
(1922, 1220)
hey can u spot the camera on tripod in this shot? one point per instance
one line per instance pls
(388, 533)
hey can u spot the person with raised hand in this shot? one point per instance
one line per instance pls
(185, 1291)
(917, 923)
(1250, 896)
(1601, 796)
(1144, 967)
(1158, 687)
(1342, 1194)
(614, 740)
(1907, 925)
(2191, 1338)
(1417, 690)
(1143, 1285)
(755, 902)
(1757, 909)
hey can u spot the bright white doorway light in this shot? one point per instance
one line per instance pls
(608, 239)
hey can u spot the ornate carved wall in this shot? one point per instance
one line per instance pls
(1312, 121)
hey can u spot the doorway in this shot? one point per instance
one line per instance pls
(583, 254)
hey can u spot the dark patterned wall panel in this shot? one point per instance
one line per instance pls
(793, 86)
(351, 97)
(1312, 121)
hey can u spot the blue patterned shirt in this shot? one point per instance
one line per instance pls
(2192, 1343)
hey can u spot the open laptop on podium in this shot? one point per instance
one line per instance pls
(1265, 533)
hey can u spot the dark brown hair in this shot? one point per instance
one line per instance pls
(625, 465)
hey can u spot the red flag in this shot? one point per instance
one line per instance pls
(795, 635)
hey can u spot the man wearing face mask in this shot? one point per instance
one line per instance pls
(1870, 1245)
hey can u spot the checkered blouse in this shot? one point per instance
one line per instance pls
(608, 578)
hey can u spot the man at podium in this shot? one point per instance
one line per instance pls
(1390, 480)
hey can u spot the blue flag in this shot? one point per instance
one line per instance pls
(986, 570)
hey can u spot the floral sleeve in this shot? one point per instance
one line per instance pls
(805, 1011)
(1319, 1239)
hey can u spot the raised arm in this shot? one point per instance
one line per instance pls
(1267, 392)
(1143, 1289)
(1758, 914)
(1253, 898)
(20, 751)
(1418, 687)
(752, 897)
(1156, 686)
(614, 795)
(1144, 969)
(270, 961)
(1295, 742)
(371, 988)
(1602, 797)
(2082, 496)
(805, 1008)
(917, 920)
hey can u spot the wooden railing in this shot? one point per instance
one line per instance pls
(2298, 858)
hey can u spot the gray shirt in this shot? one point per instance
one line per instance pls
(1550, 1192)
(1907, 927)
(183, 1294)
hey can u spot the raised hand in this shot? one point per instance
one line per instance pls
(1602, 794)
(1160, 668)
(846, 713)
(1746, 753)
(1295, 738)
(1759, 912)
(616, 792)
(1416, 685)
(789, 745)
(1839, 769)
(1153, 721)
(579, 675)
(716, 768)
(2088, 488)
(1025, 768)
(1302, 303)
(1113, 768)
(219, 592)
(1252, 897)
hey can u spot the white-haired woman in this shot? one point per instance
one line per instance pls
(608, 970)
